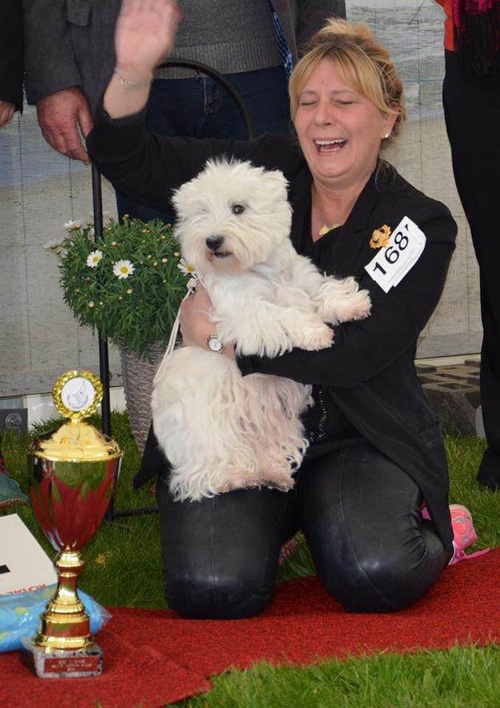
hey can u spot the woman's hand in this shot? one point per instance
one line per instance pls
(195, 321)
(145, 34)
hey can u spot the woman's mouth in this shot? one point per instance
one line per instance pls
(330, 145)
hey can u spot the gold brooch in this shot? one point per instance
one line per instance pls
(380, 237)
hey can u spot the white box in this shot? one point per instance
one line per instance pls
(24, 565)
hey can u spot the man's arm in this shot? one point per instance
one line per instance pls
(312, 15)
(49, 60)
(53, 81)
(300, 19)
(11, 59)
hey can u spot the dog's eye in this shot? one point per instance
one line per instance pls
(237, 208)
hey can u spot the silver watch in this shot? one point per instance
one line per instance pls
(215, 344)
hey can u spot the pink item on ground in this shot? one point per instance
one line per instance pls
(464, 533)
(288, 549)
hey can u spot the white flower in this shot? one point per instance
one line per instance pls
(94, 258)
(106, 216)
(54, 244)
(122, 269)
(72, 225)
(186, 268)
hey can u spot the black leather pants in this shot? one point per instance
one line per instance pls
(360, 515)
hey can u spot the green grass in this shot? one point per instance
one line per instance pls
(461, 677)
(123, 567)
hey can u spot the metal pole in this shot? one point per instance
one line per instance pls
(103, 344)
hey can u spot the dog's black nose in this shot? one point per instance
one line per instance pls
(214, 242)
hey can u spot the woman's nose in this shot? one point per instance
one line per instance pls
(325, 113)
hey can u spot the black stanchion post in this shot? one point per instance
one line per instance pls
(103, 344)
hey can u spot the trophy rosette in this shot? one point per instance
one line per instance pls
(74, 470)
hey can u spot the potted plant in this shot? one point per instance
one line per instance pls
(127, 286)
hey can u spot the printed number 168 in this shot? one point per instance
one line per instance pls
(391, 253)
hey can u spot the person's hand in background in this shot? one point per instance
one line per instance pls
(64, 117)
(7, 111)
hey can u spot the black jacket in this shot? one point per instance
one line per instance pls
(11, 52)
(368, 374)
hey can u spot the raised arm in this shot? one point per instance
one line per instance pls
(145, 33)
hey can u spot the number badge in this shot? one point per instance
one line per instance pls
(403, 250)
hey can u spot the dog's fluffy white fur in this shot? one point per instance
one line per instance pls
(221, 430)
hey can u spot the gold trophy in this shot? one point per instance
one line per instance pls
(74, 470)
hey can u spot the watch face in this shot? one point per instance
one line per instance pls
(214, 343)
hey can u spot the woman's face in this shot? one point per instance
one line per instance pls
(339, 129)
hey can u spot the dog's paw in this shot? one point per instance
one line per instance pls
(342, 301)
(313, 337)
(283, 486)
(279, 477)
(238, 479)
(359, 306)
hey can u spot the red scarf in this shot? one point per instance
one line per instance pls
(477, 34)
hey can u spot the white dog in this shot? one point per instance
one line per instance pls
(221, 430)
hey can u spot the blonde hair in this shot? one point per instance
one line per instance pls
(365, 65)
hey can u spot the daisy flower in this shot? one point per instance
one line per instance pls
(122, 269)
(94, 258)
(72, 225)
(186, 268)
(54, 244)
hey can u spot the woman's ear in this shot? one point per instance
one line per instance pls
(388, 126)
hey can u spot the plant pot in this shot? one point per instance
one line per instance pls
(138, 375)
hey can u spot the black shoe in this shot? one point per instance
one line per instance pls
(489, 471)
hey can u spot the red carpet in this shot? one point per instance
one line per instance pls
(155, 657)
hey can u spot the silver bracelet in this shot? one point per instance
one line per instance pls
(132, 85)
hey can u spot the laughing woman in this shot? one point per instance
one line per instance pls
(376, 451)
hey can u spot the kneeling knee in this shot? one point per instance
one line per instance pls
(213, 597)
(385, 584)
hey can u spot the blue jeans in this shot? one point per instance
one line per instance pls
(200, 108)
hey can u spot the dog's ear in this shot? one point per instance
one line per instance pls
(276, 180)
(277, 177)
(180, 195)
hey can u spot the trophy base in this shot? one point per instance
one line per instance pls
(62, 663)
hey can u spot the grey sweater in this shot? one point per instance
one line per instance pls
(231, 37)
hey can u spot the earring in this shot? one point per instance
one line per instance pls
(387, 135)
